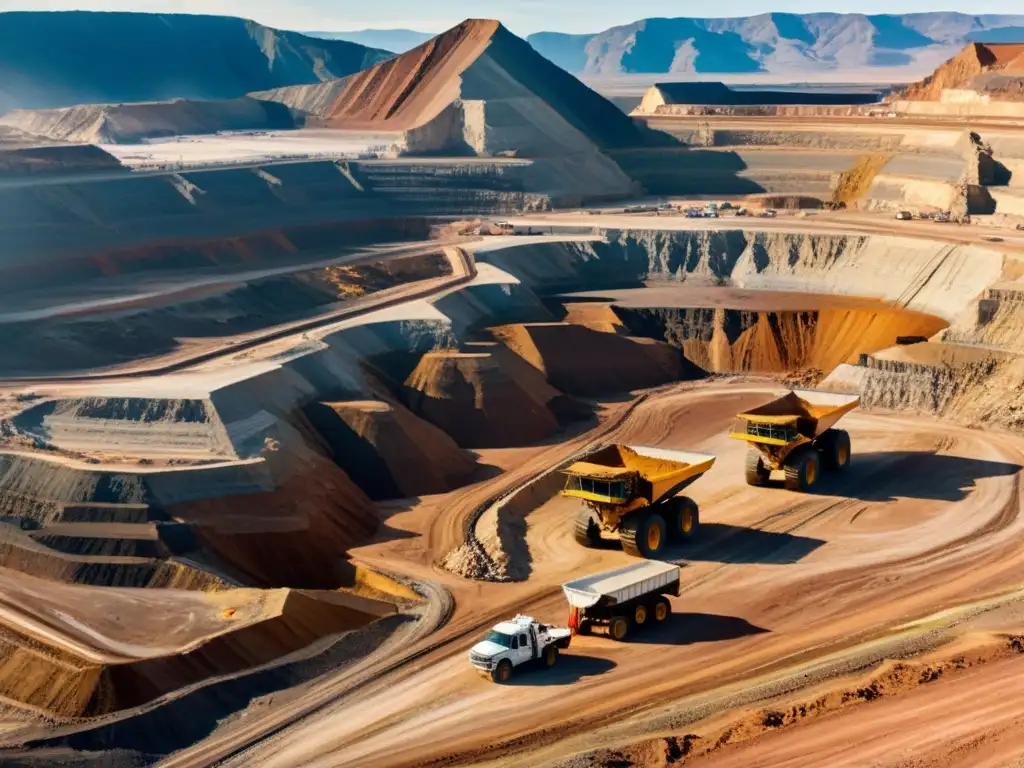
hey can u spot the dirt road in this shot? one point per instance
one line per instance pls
(927, 518)
(837, 223)
(463, 271)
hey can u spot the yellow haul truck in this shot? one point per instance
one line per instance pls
(794, 435)
(629, 493)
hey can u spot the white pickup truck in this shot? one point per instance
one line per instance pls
(514, 643)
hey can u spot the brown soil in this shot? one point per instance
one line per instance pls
(291, 536)
(69, 684)
(389, 451)
(408, 90)
(473, 398)
(854, 184)
(959, 71)
(596, 317)
(19, 552)
(721, 340)
(777, 584)
(582, 361)
(348, 281)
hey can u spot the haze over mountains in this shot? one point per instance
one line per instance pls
(776, 42)
(53, 59)
(772, 42)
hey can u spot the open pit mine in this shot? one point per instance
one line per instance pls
(313, 397)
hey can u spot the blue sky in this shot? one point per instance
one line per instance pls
(522, 16)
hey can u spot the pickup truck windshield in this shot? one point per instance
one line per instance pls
(505, 641)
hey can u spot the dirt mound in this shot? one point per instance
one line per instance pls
(582, 361)
(479, 61)
(293, 535)
(129, 123)
(473, 398)
(854, 183)
(21, 553)
(596, 317)
(959, 72)
(60, 59)
(390, 452)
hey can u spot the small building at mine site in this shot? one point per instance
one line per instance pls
(720, 95)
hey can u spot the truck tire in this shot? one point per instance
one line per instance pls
(685, 519)
(835, 452)
(585, 529)
(584, 628)
(640, 615)
(503, 672)
(662, 609)
(550, 656)
(644, 534)
(618, 628)
(802, 470)
(757, 473)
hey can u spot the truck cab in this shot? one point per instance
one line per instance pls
(511, 644)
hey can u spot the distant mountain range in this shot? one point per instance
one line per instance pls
(785, 43)
(778, 43)
(394, 40)
(55, 59)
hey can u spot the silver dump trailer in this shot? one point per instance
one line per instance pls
(622, 599)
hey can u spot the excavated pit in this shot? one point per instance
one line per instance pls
(728, 331)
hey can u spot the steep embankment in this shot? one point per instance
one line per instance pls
(473, 398)
(961, 71)
(479, 89)
(932, 278)
(154, 327)
(724, 340)
(477, 61)
(390, 452)
(33, 156)
(581, 361)
(61, 59)
(243, 629)
(130, 123)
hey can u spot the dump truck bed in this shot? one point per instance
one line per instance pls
(621, 584)
(811, 411)
(665, 471)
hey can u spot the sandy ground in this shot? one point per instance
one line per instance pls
(970, 722)
(776, 582)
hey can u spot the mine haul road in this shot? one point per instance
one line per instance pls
(780, 590)
(210, 350)
(777, 587)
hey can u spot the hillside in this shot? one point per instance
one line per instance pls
(477, 83)
(56, 59)
(394, 40)
(997, 69)
(780, 43)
